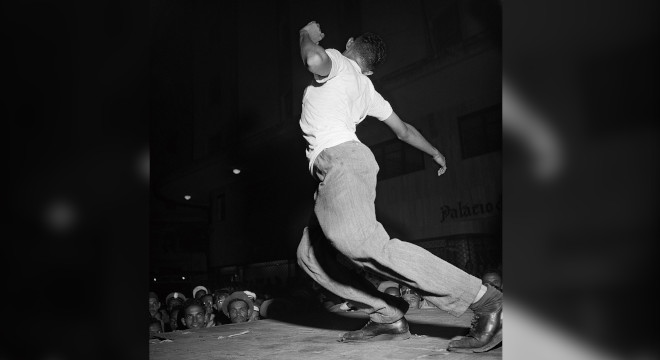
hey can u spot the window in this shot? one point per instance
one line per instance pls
(481, 131)
(396, 158)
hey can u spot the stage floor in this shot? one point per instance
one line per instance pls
(314, 336)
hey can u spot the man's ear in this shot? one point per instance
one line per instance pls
(183, 322)
(349, 43)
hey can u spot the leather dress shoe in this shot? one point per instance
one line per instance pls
(485, 332)
(374, 331)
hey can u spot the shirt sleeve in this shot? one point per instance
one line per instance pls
(380, 108)
(337, 63)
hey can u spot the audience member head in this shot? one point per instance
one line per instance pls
(405, 289)
(154, 303)
(389, 287)
(238, 307)
(176, 316)
(174, 299)
(493, 278)
(219, 298)
(413, 300)
(199, 291)
(194, 314)
(394, 291)
(207, 301)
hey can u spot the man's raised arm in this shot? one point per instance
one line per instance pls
(312, 54)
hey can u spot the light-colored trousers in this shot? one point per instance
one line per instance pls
(345, 225)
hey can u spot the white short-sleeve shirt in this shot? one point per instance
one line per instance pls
(332, 106)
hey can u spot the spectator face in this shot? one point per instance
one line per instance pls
(493, 279)
(404, 290)
(155, 328)
(154, 305)
(413, 300)
(219, 300)
(207, 300)
(238, 311)
(174, 318)
(199, 294)
(195, 317)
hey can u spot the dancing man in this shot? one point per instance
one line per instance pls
(344, 222)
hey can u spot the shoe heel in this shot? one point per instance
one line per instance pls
(496, 340)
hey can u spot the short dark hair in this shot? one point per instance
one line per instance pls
(492, 271)
(192, 302)
(371, 48)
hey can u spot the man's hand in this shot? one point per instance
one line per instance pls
(314, 31)
(440, 160)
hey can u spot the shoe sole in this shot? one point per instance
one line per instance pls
(382, 337)
(496, 340)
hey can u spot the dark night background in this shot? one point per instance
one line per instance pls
(578, 249)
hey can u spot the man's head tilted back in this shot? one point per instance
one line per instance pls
(368, 50)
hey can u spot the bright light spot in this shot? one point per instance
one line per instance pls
(187, 197)
(237, 171)
(154, 279)
(183, 278)
(60, 215)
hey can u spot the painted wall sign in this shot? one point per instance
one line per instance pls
(469, 210)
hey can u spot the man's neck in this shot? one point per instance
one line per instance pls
(349, 54)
